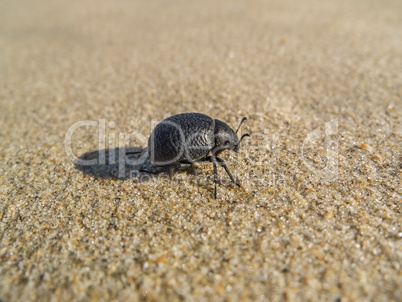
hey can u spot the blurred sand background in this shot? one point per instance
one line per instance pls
(319, 214)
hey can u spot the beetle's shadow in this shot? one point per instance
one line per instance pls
(105, 163)
(115, 164)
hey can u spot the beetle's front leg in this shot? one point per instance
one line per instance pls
(222, 163)
(215, 176)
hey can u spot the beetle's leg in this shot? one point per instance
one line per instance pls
(134, 152)
(222, 163)
(213, 160)
(215, 175)
(151, 171)
(171, 172)
(141, 150)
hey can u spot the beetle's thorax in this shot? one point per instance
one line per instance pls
(225, 137)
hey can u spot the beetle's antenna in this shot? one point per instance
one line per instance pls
(237, 147)
(243, 136)
(242, 120)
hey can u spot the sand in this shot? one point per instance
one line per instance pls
(318, 217)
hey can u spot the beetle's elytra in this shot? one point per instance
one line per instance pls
(193, 137)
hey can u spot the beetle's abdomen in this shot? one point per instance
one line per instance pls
(184, 137)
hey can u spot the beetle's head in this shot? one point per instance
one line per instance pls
(226, 138)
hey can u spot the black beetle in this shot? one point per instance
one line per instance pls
(192, 137)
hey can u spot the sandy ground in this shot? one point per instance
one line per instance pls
(319, 215)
